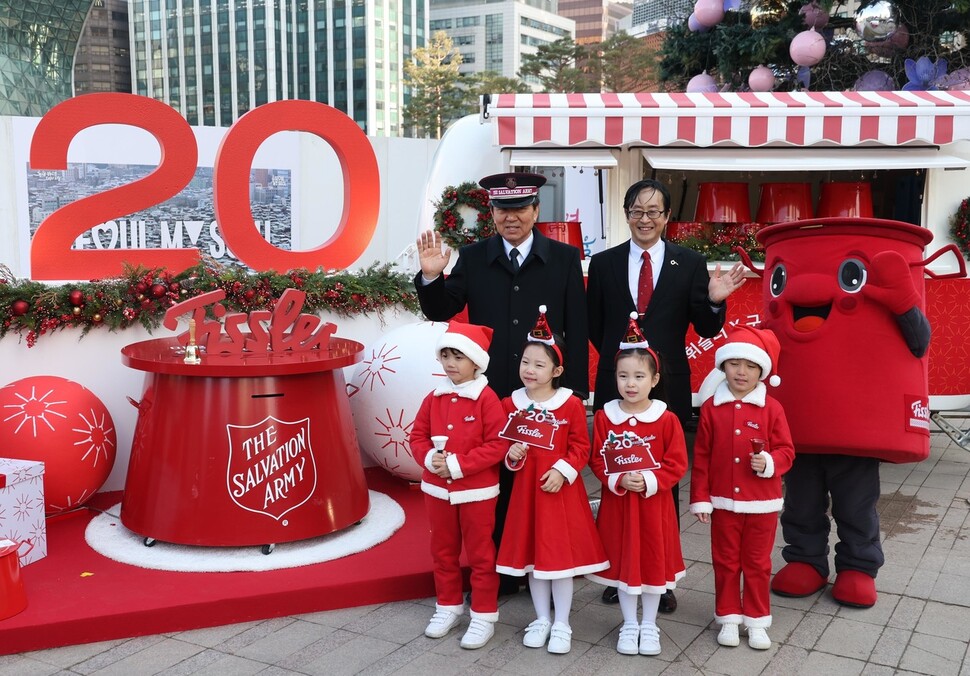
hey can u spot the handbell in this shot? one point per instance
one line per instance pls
(192, 355)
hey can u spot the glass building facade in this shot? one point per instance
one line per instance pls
(214, 60)
(38, 39)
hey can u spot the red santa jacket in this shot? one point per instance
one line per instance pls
(471, 416)
(573, 446)
(721, 477)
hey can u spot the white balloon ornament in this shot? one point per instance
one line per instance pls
(709, 12)
(702, 83)
(807, 48)
(398, 370)
(761, 79)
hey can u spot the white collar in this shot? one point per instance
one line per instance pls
(470, 390)
(521, 399)
(656, 252)
(524, 249)
(723, 395)
(617, 415)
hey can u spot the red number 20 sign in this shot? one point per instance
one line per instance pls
(51, 256)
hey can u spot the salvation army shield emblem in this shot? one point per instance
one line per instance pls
(271, 469)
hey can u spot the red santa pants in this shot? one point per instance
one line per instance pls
(471, 522)
(741, 545)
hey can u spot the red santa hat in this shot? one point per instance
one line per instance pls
(756, 345)
(541, 333)
(634, 338)
(471, 340)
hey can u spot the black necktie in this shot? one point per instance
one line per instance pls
(514, 255)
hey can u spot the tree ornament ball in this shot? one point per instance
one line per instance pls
(814, 16)
(702, 83)
(387, 389)
(807, 48)
(709, 12)
(898, 41)
(877, 22)
(159, 290)
(696, 26)
(761, 79)
(76, 297)
(61, 423)
(19, 308)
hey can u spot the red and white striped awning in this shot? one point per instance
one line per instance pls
(746, 119)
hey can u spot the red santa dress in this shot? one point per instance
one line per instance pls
(745, 504)
(639, 530)
(551, 535)
(461, 510)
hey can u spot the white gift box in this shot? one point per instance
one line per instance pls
(22, 508)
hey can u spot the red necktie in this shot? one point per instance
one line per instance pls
(645, 285)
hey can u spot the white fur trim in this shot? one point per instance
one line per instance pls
(728, 619)
(553, 574)
(617, 415)
(470, 390)
(711, 382)
(435, 491)
(748, 506)
(739, 350)
(701, 508)
(566, 470)
(466, 346)
(427, 460)
(723, 395)
(520, 398)
(473, 495)
(769, 466)
(488, 617)
(457, 610)
(613, 483)
(453, 466)
(763, 622)
(651, 480)
(642, 589)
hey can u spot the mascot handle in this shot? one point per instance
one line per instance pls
(959, 274)
(748, 263)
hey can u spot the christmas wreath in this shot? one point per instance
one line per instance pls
(960, 227)
(449, 222)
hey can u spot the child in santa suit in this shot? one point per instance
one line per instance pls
(549, 534)
(460, 480)
(639, 453)
(742, 449)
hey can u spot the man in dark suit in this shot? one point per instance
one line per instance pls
(679, 292)
(503, 280)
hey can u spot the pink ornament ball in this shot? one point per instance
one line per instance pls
(702, 83)
(814, 16)
(63, 424)
(709, 12)
(761, 79)
(807, 48)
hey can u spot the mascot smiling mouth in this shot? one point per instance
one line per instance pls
(807, 319)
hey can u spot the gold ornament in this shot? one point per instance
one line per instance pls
(76, 311)
(96, 317)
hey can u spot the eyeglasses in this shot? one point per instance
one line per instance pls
(637, 214)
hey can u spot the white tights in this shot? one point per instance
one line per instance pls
(628, 606)
(559, 592)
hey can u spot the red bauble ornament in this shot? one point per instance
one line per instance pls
(159, 290)
(64, 425)
(146, 303)
(141, 287)
(76, 297)
(249, 295)
(19, 308)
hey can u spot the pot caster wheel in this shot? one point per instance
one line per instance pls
(149, 542)
(268, 549)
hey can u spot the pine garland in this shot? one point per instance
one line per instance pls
(960, 227)
(141, 296)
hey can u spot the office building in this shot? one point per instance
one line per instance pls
(103, 60)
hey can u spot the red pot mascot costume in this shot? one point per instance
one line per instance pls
(846, 299)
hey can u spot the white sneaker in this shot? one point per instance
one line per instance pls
(728, 635)
(629, 641)
(560, 639)
(441, 623)
(758, 638)
(537, 633)
(478, 633)
(649, 639)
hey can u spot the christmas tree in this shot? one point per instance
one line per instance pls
(820, 45)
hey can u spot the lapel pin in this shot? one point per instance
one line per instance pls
(673, 262)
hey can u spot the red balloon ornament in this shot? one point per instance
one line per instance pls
(58, 422)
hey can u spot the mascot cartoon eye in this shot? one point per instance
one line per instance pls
(779, 277)
(852, 275)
